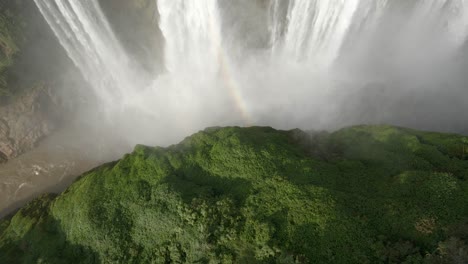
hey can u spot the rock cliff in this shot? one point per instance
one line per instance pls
(26, 120)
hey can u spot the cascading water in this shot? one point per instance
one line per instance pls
(365, 22)
(192, 34)
(194, 61)
(447, 17)
(316, 29)
(459, 27)
(201, 73)
(368, 16)
(277, 24)
(84, 32)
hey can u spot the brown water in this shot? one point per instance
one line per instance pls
(53, 165)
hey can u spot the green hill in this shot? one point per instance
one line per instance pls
(366, 194)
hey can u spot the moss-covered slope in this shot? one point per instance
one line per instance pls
(369, 194)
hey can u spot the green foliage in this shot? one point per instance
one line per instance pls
(464, 143)
(366, 194)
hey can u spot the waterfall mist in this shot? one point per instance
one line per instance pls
(312, 64)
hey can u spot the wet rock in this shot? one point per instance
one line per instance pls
(136, 25)
(25, 121)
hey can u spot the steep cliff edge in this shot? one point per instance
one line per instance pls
(366, 194)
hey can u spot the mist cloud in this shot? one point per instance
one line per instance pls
(392, 62)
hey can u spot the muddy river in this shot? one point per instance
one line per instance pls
(53, 165)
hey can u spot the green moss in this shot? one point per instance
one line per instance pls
(366, 194)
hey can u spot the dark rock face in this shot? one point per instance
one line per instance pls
(25, 121)
(136, 25)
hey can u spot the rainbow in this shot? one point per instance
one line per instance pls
(233, 88)
(226, 73)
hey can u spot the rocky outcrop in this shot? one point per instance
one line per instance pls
(25, 121)
(27, 107)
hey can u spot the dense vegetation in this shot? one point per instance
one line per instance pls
(366, 194)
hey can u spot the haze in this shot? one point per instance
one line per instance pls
(307, 64)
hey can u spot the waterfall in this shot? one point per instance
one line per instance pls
(314, 46)
(200, 77)
(447, 17)
(366, 20)
(87, 37)
(278, 22)
(310, 31)
(192, 34)
(316, 29)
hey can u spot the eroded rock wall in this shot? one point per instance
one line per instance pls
(26, 120)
